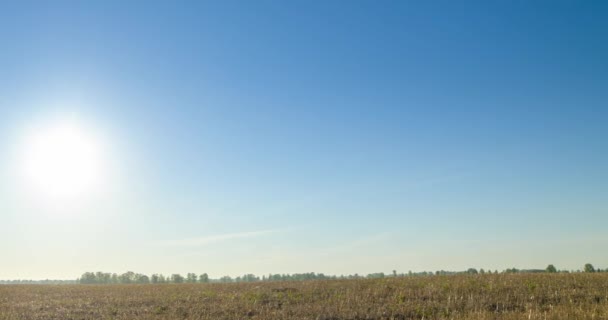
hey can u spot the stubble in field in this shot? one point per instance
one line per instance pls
(505, 296)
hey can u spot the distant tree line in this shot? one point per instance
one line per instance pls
(130, 277)
(46, 281)
(138, 278)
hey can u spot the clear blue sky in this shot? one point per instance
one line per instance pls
(326, 136)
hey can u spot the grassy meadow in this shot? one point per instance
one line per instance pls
(496, 296)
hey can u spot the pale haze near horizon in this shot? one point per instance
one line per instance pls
(270, 137)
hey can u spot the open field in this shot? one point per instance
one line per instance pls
(504, 296)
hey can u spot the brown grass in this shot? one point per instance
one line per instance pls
(505, 296)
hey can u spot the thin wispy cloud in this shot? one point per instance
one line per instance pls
(206, 240)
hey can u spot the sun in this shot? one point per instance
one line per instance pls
(62, 160)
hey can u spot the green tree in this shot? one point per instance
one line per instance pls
(127, 277)
(141, 278)
(250, 278)
(87, 278)
(203, 278)
(589, 268)
(551, 269)
(191, 278)
(177, 278)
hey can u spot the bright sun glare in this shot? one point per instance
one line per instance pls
(62, 160)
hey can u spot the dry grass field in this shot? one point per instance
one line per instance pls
(503, 296)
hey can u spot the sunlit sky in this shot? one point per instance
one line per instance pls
(302, 136)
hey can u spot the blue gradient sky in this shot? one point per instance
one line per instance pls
(329, 136)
